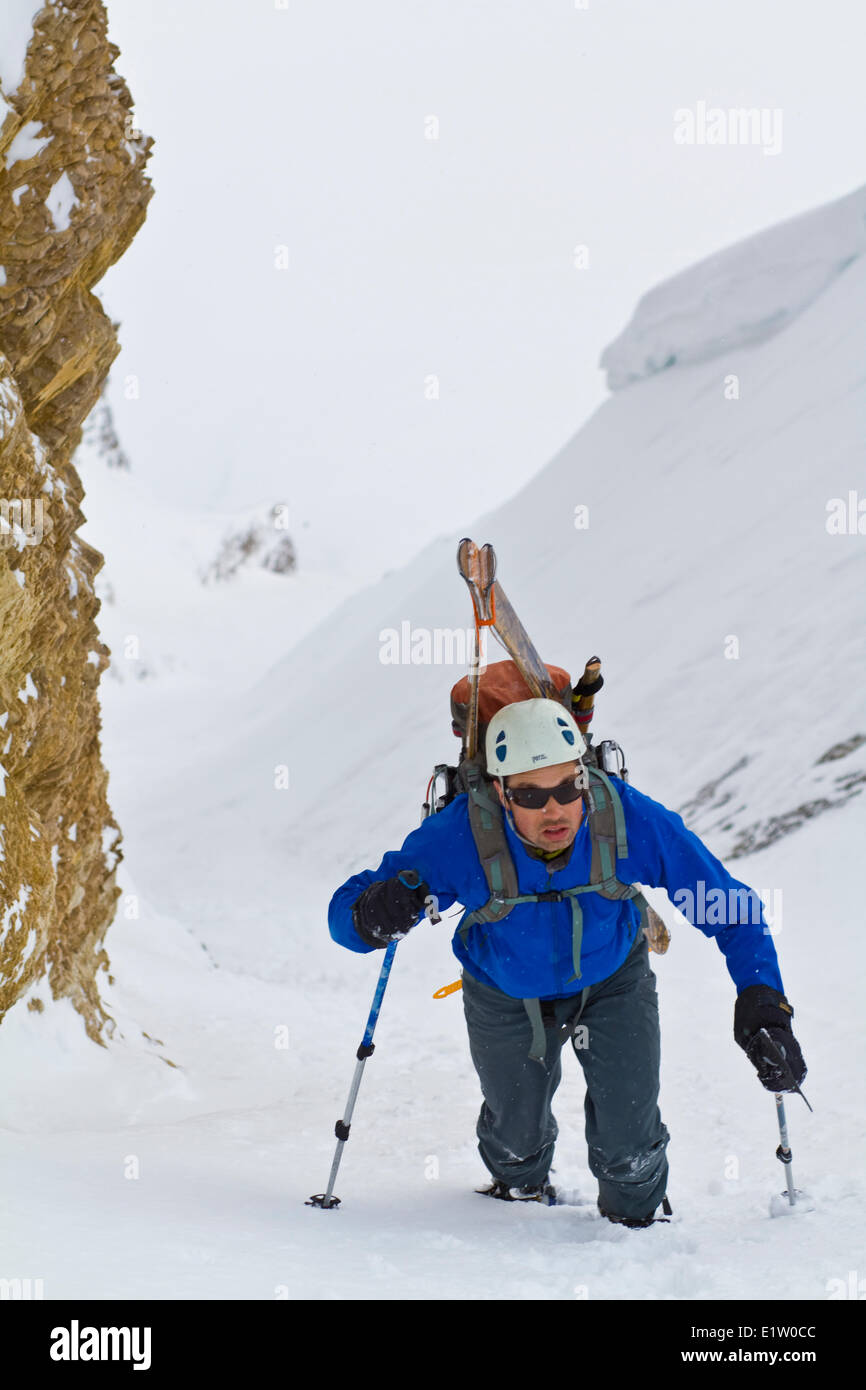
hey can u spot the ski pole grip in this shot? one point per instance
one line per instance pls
(429, 910)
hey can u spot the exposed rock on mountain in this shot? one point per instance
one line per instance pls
(261, 540)
(73, 193)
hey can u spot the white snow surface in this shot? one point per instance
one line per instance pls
(16, 29)
(26, 144)
(60, 200)
(741, 295)
(125, 1176)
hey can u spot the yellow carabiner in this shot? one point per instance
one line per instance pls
(448, 989)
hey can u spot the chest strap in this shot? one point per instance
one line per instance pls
(538, 1049)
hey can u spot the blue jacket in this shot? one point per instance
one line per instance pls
(529, 953)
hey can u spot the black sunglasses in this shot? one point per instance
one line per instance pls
(534, 798)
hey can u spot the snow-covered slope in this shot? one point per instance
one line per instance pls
(181, 602)
(742, 295)
(707, 535)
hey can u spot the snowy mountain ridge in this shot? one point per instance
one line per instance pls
(738, 296)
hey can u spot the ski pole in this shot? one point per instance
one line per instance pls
(783, 1152)
(367, 1047)
(342, 1127)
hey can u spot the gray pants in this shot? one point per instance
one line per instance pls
(619, 1053)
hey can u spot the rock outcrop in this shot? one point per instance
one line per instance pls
(73, 193)
(259, 540)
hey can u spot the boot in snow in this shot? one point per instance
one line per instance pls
(636, 1222)
(543, 1192)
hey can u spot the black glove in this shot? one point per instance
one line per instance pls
(762, 1007)
(389, 908)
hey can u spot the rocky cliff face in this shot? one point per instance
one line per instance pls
(73, 193)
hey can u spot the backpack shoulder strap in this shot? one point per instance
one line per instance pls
(488, 831)
(606, 822)
(610, 842)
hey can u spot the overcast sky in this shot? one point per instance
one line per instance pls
(358, 291)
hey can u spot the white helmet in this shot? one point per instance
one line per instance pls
(531, 734)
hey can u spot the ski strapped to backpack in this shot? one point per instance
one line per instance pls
(606, 824)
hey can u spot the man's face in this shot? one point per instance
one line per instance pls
(554, 826)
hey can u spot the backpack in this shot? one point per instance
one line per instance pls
(501, 683)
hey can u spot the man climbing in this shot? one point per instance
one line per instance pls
(557, 952)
